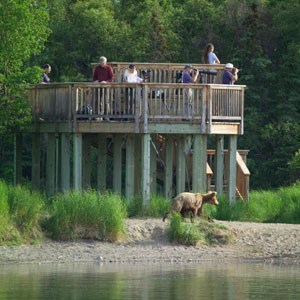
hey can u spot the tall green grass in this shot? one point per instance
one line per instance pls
(20, 212)
(157, 208)
(282, 205)
(87, 215)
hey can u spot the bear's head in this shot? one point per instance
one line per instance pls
(210, 198)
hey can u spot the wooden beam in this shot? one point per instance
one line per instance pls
(232, 168)
(65, 162)
(145, 169)
(153, 168)
(50, 173)
(199, 163)
(117, 164)
(86, 161)
(180, 165)
(130, 165)
(168, 174)
(219, 165)
(77, 161)
(101, 163)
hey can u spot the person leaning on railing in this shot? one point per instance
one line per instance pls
(45, 78)
(189, 75)
(130, 76)
(103, 73)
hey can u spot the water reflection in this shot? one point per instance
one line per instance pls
(113, 281)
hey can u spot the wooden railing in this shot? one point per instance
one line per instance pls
(242, 171)
(141, 103)
(167, 72)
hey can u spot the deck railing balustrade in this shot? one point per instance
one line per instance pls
(141, 103)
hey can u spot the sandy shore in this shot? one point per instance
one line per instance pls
(147, 243)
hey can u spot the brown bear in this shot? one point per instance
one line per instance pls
(192, 202)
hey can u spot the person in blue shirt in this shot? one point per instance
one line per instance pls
(189, 75)
(230, 75)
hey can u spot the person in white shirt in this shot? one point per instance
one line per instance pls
(209, 56)
(130, 75)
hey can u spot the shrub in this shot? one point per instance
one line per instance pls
(26, 209)
(183, 233)
(88, 214)
(158, 207)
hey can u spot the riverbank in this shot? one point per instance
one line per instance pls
(147, 242)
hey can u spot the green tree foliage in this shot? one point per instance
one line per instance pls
(262, 37)
(23, 30)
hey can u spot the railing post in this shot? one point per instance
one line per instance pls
(137, 110)
(145, 108)
(203, 112)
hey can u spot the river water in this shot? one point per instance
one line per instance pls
(174, 281)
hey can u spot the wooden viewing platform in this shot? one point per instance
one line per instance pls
(143, 131)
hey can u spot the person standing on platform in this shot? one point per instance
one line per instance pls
(103, 73)
(45, 77)
(189, 75)
(230, 75)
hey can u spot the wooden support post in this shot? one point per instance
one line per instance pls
(145, 169)
(232, 168)
(58, 163)
(219, 165)
(130, 159)
(50, 174)
(77, 161)
(153, 168)
(138, 165)
(101, 163)
(36, 156)
(86, 162)
(168, 175)
(117, 164)
(199, 163)
(65, 162)
(180, 164)
(17, 158)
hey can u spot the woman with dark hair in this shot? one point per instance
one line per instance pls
(209, 57)
(47, 70)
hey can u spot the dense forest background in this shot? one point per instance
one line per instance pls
(261, 37)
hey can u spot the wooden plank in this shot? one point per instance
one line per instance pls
(168, 171)
(50, 171)
(130, 166)
(180, 165)
(65, 162)
(232, 168)
(145, 169)
(153, 168)
(117, 164)
(86, 161)
(77, 161)
(219, 165)
(101, 162)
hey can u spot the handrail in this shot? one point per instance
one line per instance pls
(144, 103)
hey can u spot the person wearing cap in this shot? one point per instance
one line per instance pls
(230, 75)
(130, 75)
(187, 77)
(103, 73)
(45, 77)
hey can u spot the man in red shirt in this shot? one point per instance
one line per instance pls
(103, 73)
